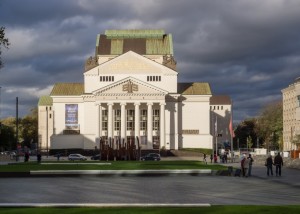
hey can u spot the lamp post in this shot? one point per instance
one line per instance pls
(17, 126)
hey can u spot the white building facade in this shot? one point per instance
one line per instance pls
(291, 115)
(221, 117)
(131, 94)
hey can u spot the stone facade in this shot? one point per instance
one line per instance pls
(291, 115)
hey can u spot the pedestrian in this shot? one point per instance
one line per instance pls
(215, 158)
(58, 156)
(278, 162)
(246, 166)
(211, 158)
(226, 155)
(39, 157)
(250, 165)
(204, 158)
(242, 165)
(269, 165)
(26, 156)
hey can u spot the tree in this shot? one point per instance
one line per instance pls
(245, 133)
(29, 128)
(3, 42)
(249, 142)
(7, 134)
(270, 125)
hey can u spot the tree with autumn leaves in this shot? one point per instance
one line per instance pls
(264, 131)
(3, 42)
(28, 131)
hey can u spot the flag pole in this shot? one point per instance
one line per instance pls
(216, 134)
(231, 132)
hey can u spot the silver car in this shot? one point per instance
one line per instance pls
(73, 157)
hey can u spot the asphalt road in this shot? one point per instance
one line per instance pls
(183, 189)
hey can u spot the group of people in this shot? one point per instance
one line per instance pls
(246, 165)
(278, 162)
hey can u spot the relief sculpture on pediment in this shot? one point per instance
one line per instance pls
(170, 62)
(130, 87)
(90, 63)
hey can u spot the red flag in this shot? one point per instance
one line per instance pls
(230, 128)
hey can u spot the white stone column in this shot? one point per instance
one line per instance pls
(98, 121)
(97, 133)
(176, 125)
(110, 121)
(137, 120)
(123, 121)
(149, 126)
(162, 133)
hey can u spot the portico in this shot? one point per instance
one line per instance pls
(132, 120)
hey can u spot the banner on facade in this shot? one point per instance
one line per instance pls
(71, 116)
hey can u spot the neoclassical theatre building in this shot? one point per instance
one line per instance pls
(130, 93)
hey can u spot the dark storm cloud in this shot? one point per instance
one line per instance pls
(249, 50)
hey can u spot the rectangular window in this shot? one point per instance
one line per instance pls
(100, 78)
(159, 78)
(298, 100)
(130, 120)
(117, 120)
(155, 119)
(104, 120)
(143, 120)
(148, 78)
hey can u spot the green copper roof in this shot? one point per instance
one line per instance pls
(67, 89)
(45, 101)
(127, 34)
(144, 42)
(196, 88)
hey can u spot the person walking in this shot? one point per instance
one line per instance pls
(246, 166)
(215, 158)
(269, 165)
(211, 158)
(278, 162)
(242, 165)
(250, 165)
(204, 158)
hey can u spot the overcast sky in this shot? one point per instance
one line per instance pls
(249, 50)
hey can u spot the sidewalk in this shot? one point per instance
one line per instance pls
(288, 175)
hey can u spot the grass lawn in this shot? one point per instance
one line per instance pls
(213, 209)
(115, 165)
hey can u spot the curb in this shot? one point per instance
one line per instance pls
(99, 205)
(51, 173)
(119, 172)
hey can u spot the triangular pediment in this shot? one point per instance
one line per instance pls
(133, 63)
(130, 86)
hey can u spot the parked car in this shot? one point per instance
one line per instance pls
(96, 157)
(73, 157)
(151, 156)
